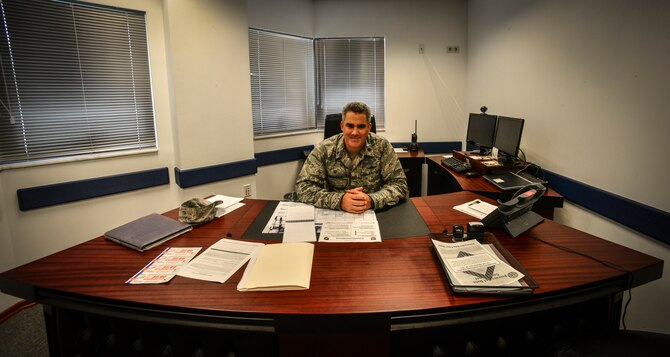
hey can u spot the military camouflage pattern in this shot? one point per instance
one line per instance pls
(197, 211)
(329, 171)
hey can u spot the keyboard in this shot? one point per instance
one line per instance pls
(456, 164)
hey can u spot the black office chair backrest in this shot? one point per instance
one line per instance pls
(332, 125)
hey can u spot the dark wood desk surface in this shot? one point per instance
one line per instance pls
(458, 181)
(395, 276)
(478, 184)
(405, 154)
(398, 281)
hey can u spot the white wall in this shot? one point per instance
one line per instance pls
(295, 17)
(569, 67)
(591, 78)
(429, 88)
(202, 105)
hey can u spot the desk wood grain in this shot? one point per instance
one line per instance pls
(479, 184)
(394, 277)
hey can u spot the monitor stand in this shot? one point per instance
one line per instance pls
(505, 160)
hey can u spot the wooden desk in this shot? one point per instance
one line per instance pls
(444, 180)
(377, 299)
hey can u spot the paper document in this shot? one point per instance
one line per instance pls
(476, 208)
(470, 263)
(278, 218)
(299, 232)
(220, 261)
(328, 215)
(300, 213)
(339, 232)
(281, 266)
(299, 226)
(164, 267)
(340, 226)
(229, 204)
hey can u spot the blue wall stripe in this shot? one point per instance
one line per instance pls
(283, 155)
(433, 147)
(203, 175)
(49, 195)
(637, 216)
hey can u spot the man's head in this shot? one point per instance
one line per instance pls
(355, 125)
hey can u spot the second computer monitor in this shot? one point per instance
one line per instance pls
(481, 131)
(508, 136)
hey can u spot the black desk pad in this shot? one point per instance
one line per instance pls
(401, 220)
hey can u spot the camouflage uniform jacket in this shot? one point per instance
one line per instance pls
(329, 171)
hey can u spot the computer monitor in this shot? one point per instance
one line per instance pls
(508, 137)
(481, 131)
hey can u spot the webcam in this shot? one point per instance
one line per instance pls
(484, 109)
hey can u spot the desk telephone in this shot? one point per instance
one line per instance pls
(515, 215)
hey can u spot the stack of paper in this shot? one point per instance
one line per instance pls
(227, 205)
(472, 267)
(472, 264)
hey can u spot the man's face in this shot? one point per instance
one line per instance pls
(355, 128)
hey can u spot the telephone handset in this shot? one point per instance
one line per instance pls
(515, 215)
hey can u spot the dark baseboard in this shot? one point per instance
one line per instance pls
(208, 174)
(283, 155)
(637, 216)
(15, 309)
(49, 195)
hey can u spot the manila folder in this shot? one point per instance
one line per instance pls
(280, 266)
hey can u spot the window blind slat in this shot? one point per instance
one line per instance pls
(282, 82)
(76, 81)
(350, 70)
(285, 70)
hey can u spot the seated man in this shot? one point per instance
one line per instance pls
(355, 170)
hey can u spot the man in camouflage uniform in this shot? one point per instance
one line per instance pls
(355, 170)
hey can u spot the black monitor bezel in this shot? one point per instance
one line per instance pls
(517, 139)
(481, 145)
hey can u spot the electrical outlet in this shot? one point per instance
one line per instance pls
(453, 49)
(247, 190)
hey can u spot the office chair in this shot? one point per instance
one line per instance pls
(332, 125)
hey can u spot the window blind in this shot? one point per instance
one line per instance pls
(282, 82)
(76, 81)
(350, 69)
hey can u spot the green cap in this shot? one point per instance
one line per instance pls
(197, 211)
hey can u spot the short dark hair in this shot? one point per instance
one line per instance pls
(358, 108)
